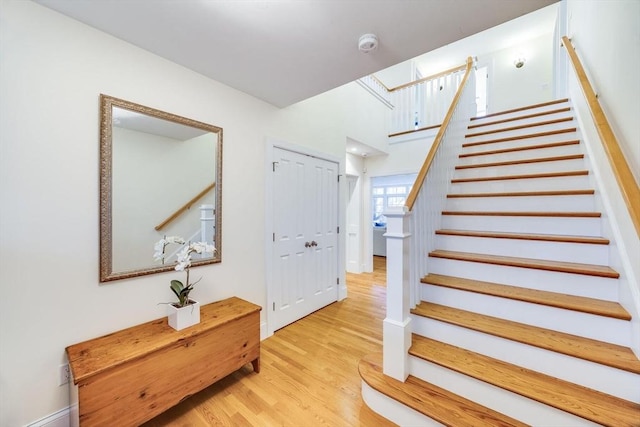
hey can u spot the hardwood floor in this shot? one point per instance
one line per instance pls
(309, 370)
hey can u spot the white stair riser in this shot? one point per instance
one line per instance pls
(522, 168)
(517, 143)
(549, 225)
(519, 122)
(393, 410)
(606, 329)
(498, 399)
(584, 253)
(522, 184)
(535, 110)
(600, 377)
(553, 281)
(563, 150)
(578, 203)
(519, 132)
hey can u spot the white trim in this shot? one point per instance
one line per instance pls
(270, 144)
(393, 410)
(57, 419)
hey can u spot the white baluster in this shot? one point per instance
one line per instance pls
(207, 225)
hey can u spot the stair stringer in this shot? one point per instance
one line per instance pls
(617, 224)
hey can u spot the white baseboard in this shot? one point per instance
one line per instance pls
(263, 331)
(57, 419)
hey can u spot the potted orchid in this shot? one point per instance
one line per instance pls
(178, 317)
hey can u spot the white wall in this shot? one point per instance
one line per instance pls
(403, 157)
(53, 70)
(510, 87)
(355, 222)
(606, 35)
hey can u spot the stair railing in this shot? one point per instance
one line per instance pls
(376, 88)
(184, 207)
(628, 186)
(411, 229)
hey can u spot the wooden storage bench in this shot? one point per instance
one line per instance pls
(130, 376)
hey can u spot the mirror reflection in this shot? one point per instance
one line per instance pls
(160, 176)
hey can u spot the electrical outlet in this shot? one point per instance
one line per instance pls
(65, 375)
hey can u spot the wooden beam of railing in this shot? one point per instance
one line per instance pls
(415, 190)
(185, 207)
(424, 79)
(628, 185)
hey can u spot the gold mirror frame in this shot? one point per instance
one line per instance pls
(107, 103)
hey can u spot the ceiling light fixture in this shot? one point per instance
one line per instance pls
(367, 43)
(519, 61)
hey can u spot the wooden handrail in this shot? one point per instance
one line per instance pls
(411, 199)
(424, 79)
(628, 185)
(185, 207)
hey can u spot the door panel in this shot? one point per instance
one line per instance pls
(305, 270)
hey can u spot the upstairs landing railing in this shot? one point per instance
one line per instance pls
(410, 230)
(423, 104)
(418, 105)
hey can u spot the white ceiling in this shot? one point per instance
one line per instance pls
(285, 51)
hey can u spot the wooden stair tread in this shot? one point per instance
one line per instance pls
(526, 116)
(528, 107)
(563, 267)
(524, 161)
(525, 148)
(552, 299)
(536, 214)
(519, 137)
(612, 355)
(526, 236)
(585, 192)
(581, 401)
(519, 127)
(524, 176)
(436, 403)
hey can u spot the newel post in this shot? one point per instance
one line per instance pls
(207, 223)
(396, 330)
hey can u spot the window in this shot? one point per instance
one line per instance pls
(387, 196)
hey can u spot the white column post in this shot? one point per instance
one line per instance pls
(397, 325)
(207, 225)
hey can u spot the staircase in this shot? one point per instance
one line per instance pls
(519, 322)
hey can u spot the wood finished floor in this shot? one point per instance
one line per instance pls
(309, 370)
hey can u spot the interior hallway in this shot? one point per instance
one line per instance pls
(309, 370)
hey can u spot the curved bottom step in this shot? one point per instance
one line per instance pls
(424, 399)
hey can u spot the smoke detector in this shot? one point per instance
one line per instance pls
(367, 43)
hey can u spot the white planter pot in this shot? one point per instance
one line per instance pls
(183, 317)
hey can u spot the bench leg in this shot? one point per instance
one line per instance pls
(256, 365)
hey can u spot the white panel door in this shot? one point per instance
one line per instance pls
(305, 256)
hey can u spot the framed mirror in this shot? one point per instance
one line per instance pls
(160, 176)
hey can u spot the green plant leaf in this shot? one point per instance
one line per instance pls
(177, 287)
